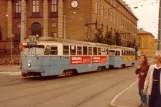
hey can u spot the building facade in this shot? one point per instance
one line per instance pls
(147, 45)
(69, 19)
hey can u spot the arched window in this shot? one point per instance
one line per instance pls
(18, 7)
(54, 6)
(36, 6)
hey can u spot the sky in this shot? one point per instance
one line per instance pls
(147, 13)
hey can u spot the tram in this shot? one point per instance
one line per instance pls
(50, 57)
(120, 57)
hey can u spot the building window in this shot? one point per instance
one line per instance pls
(107, 13)
(107, 28)
(36, 6)
(54, 24)
(111, 15)
(18, 24)
(102, 11)
(96, 11)
(18, 7)
(54, 6)
(54, 34)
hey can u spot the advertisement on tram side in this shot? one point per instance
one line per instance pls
(99, 59)
(80, 60)
(86, 59)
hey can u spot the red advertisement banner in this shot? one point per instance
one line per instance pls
(99, 59)
(79, 59)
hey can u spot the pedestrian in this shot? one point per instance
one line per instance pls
(139, 54)
(152, 85)
(142, 70)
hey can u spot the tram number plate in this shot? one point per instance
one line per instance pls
(29, 61)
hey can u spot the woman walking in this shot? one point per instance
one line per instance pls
(152, 84)
(142, 70)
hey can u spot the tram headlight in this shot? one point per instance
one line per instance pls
(29, 65)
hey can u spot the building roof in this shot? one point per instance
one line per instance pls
(141, 31)
(155, 40)
(129, 10)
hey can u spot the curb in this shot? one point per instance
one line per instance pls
(112, 103)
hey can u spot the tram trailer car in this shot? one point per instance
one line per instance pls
(120, 57)
(52, 57)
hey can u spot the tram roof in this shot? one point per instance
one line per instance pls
(121, 47)
(70, 41)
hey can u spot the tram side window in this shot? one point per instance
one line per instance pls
(127, 53)
(118, 53)
(79, 50)
(95, 51)
(72, 50)
(122, 53)
(131, 53)
(99, 51)
(103, 51)
(84, 50)
(54, 50)
(107, 51)
(89, 50)
(65, 50)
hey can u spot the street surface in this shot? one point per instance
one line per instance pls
(94, 89)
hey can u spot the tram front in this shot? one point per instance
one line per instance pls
(32, 57)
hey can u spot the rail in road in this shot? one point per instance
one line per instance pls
(62, 87)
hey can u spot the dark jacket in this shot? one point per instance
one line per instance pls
(143, 70)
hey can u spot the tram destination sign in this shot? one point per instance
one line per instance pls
(32, 43)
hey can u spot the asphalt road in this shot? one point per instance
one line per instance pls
(94, 89)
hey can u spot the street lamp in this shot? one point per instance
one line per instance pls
(159, 26)
(12, 36)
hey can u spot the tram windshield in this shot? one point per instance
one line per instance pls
(33, 50)
(111, 52)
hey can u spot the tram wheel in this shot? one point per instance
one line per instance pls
(100, 69)
(69, 73)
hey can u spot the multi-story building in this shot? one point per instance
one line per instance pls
(69, 19)
(147, 45)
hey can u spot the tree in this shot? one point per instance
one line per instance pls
(98, 38)
(118, 38)
(109, 39)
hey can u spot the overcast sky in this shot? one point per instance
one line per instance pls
(147, 13)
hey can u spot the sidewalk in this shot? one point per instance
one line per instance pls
(129, 98)
(7, 68)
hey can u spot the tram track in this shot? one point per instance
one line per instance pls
(91, 97)
(75, 86)
(71, 85)
(39, 80)
(79, 88)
